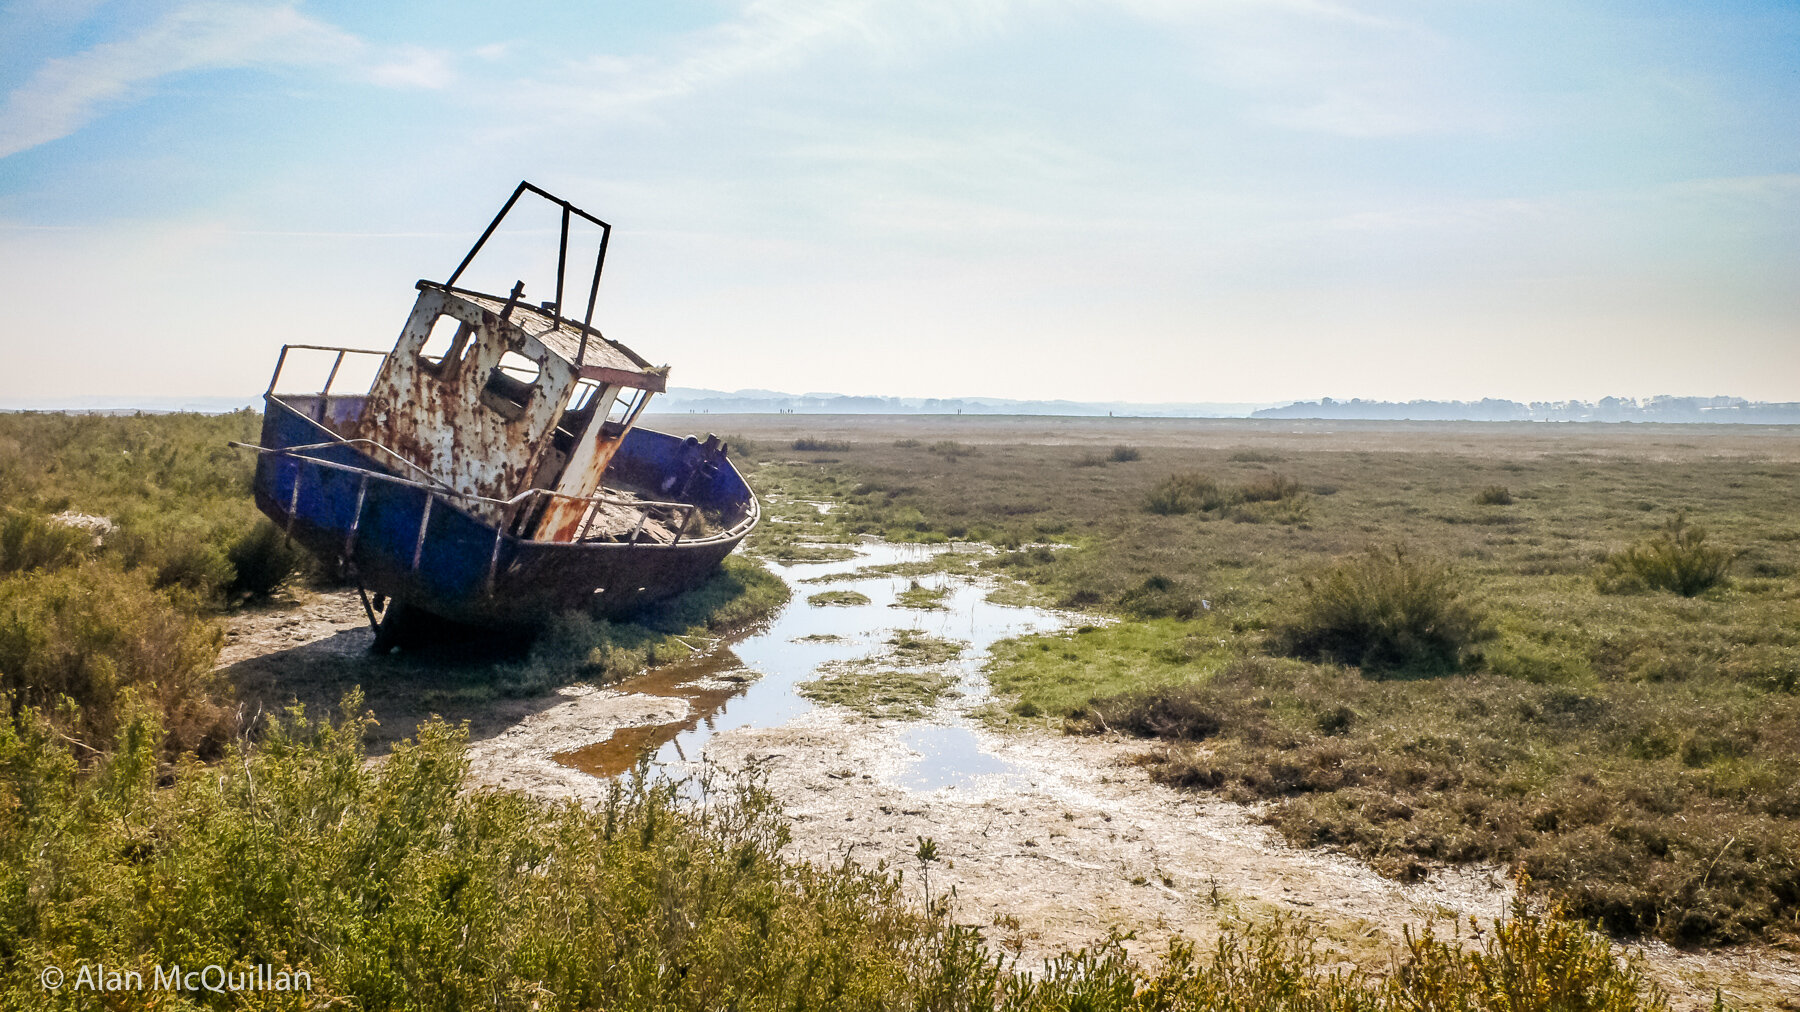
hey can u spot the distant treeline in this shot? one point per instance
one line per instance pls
(686, 399)
(1608, 409)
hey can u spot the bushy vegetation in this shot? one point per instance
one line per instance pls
(1247, 455)
(1192, 492)
(1186, 492)
(178, 494)
(950, 449)
(29, 542)
(75, 641)
(262, 560)
(813, 444)
(1384, 611)
(1269, 488)
(1125, 454)
(115, 598)
(1676, 559)
(392, 886)
(1494, 495)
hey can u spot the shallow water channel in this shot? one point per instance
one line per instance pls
(754, 682)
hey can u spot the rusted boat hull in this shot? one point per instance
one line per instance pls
(415, 544)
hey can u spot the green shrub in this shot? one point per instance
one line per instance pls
(1384, 611)
(1494, 495)
(1525, 963)
(1187, 492)
(394, 886)
(1250, 456)
(185, 549)
(812, 444)
(952, 449)
(1677, 559)
(262, 560)
(29, 542)
(76, 641)
(1124, 454)
(1269, 488)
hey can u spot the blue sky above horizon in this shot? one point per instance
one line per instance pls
(1141, 200)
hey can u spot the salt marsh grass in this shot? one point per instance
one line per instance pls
(1565, 706)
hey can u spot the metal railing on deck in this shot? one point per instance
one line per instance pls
(508, 508)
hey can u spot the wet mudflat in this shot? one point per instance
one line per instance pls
(845, 612)
(1053, 841)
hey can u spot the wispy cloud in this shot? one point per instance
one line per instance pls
(414, 67)
(67, 93)
(770, 36)
(1309, 65)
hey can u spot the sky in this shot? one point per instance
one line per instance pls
(1134, 200)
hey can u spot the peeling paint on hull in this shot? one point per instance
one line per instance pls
(531, 579)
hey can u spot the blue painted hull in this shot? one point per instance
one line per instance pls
(463, 568)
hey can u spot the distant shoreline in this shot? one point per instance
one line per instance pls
(679, 402)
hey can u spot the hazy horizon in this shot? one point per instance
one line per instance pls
(1135, 201)
(680, 400)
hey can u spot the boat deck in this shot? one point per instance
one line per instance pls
(619, 521)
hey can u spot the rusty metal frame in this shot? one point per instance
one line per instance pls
(281, 361)
(562, 253)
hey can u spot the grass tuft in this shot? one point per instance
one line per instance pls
(1269, 488)
(1175, 713)
(1494, 495)
(814, 444)
(1676, 559)
(1187, 492)
(1250, 456)
(951, 449)
(919, 597)
(1160, 597)
(1124, 454)
(1385, 611)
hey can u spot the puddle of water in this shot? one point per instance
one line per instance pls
(754, 683)
(951, 757)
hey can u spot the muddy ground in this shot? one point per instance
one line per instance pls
(1072, 841)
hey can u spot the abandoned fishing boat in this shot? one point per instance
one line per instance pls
(493, 473)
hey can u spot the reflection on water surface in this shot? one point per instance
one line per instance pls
(753, 683)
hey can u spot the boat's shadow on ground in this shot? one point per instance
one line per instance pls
(460, 682)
